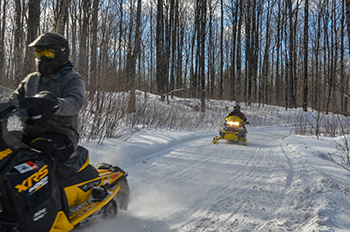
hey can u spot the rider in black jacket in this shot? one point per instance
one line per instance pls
(237, 112)
(52, 130)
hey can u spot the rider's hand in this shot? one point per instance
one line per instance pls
(40, 108)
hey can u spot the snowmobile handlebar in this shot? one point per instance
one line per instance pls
(7, 110)
(34, 110)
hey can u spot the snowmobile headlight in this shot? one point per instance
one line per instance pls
(230, 123)
(236, 123)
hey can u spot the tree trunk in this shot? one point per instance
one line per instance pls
(233, 55)
(306, 52)
(62, 16)
(278, 83)
(172, 32)
(202, 52)
(211, 69)
(221, 90)
(83, 48)
(94, 74)
(348, 27)
(160, 51)
(239, 54)
(32, 34)
(178, 47)
(136, 52)
(291, 96)
(18, 27)
(2, 38)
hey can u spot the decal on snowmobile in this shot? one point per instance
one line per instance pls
(26, 167)
(36, 177)
(116, 176)
(39, 185)
(88, 186)
(5, 153)
(40, 214)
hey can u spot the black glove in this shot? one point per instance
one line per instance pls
(40, 108)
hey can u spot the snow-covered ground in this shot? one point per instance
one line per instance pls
(180, 181)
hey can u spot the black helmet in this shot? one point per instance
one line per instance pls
(57, 45)
(237, 108)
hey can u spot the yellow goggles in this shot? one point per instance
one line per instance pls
(47, 53)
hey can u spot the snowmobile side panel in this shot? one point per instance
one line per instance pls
(87, 209)
(61, 223)
(81, 193)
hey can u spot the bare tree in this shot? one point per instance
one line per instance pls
(83, 48)
(279, 34)
(201, 47)
(306, 52)
(33, 28)
(17, 41)
(2, 37)
(93, 63)
(221, 49)
(62, 16)
(348, 17)
(239, 54)
(291, 93)
(160, 72)
(135, 54)
(255, 51)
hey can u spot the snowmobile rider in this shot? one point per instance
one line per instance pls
(237, 112)
(52, 129)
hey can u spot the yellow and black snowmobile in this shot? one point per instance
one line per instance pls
(39, 194)
(233, 130)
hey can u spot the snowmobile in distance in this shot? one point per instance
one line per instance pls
(233, 130)
(38, 193)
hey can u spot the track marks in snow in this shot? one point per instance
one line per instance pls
(269, 185)
(241, 199)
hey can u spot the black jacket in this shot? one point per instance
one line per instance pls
(69, 87)
(238, 114)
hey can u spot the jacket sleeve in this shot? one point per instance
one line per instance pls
(73, 97)
(17, 95)
(27, 87)
(244, 118)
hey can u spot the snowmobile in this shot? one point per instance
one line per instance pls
(233, 130)
(40, 194)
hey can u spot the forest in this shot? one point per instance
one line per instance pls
(290, 53)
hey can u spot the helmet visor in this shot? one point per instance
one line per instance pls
(46, 53)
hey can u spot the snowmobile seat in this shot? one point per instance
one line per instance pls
(77, 169)
(78, 160)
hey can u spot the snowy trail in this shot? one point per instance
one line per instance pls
(194, 185)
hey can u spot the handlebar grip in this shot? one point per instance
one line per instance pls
(6, 110)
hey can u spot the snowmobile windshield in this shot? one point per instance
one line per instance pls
(5, 94)
(13, 123)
